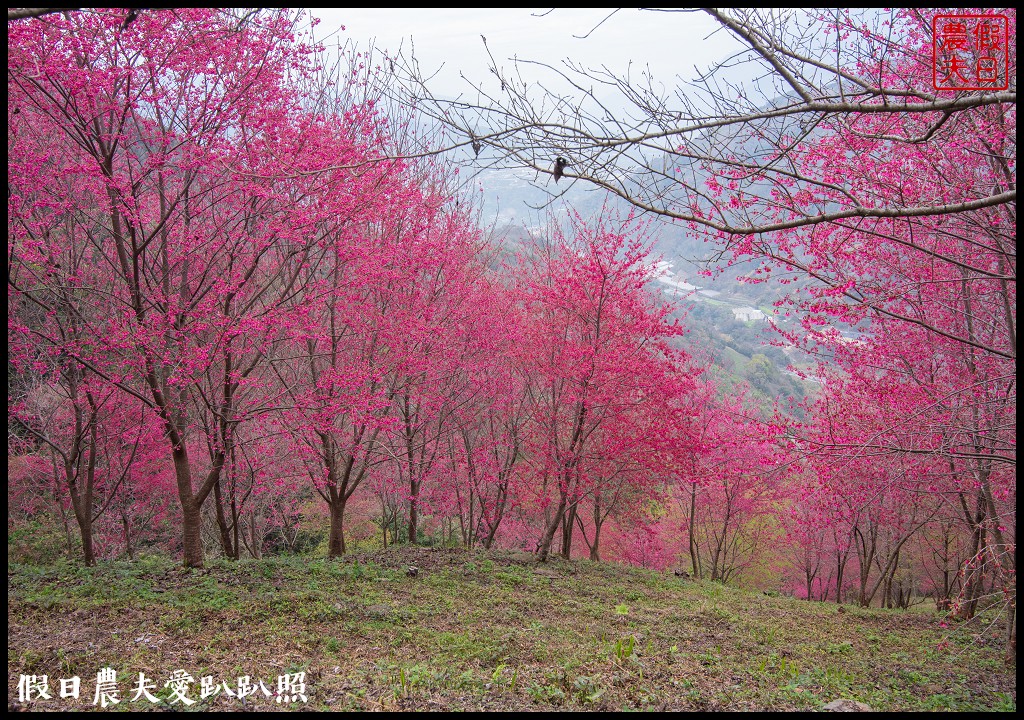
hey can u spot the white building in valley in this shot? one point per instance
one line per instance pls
(746, 314)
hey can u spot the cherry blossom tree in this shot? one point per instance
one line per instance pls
(170, 132)
(596, 346)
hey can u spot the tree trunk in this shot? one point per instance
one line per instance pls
(974, 574)
(191, 510)
(841, 560)
(1011, 635)
(191, 539)
(544, 549)
(867, 557)
(693, 532)
(595, 553)
(236, 530)
(88, 557)
(568, 524)
(127, 530)
(336, 539)
(82, 507)
(810, 581)
(414, 514)
(489, 540)
(222, 523)
(257, 542)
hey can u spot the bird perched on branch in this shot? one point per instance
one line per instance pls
(560, 165)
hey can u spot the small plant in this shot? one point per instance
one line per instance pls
(65, 661)
(839, 648)
(622, 609)
(1006, 703)
(409, 678)
(586, 689)
(785, 667)
(837, 677)
(913, 676)
(708, 657)
(712, 590)
(624, 648)
(765, 636)
(468, 680)
(356, 570)
(545, 693)
(938, 701)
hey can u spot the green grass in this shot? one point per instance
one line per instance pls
(481, 630)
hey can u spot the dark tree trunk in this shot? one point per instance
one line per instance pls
(226, 545)
(595, 549)
(568, 524)
(694, 560)
(544, 549)
(336, 539)
(191, 537)
(414, 514)
(88, 556)
(127, 532)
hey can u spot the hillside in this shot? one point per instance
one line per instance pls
(472, 630)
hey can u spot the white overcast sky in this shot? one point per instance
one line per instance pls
(670, 43)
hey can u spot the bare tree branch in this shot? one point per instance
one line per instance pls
(25, 13)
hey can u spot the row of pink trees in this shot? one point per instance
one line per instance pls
(607, 391)
(850, 164)
(913, 441)
(147, 165)
(216, 278)
(228, 306)
(182, 236)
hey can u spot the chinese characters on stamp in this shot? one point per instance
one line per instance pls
(970, 52)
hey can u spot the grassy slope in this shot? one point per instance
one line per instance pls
(483, 631)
